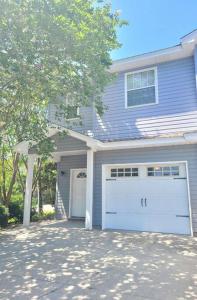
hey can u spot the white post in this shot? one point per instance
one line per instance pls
(28, 191)
(89, 189)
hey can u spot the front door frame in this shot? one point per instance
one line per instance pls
(70, 191)
(104, 167)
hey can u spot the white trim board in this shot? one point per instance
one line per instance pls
(184, 49)
(96, 145)
(105, 166)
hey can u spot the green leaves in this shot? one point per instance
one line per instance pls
(52, 48)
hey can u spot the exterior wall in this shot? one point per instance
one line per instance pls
(162, 154)
(67, 143)
(175, 112)
(64, 143)
(83, 125)
(63, 181)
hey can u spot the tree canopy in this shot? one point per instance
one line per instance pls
(51, 49)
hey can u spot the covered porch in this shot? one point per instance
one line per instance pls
(74, 155)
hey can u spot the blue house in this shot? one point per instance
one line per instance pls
(134, 168)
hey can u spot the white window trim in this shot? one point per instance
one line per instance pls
(155, 85)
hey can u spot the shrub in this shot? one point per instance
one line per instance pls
(4, 214)
(42, 216)
(16, 211)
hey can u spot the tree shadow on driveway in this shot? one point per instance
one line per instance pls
(62, 260)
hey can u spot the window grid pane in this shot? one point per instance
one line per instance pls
(124, 172)
(140, 80)
(163, 171)
(141, 88)
(141, 96)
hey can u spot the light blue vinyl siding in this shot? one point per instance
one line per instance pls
(67, 143)
(84, 124)
(157, 154)
(64, 143)
(160, 154)
(63, 182)
(176, 111)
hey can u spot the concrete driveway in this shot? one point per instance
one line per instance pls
(61, 260)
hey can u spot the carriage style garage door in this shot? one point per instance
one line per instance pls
(151, 197)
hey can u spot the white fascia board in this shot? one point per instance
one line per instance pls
(23, 147)
(190, 138)
(91, 142)
(189, 38)
(152, 58)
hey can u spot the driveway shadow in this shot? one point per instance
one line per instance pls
(62, 260)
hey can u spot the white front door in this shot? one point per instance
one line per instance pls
(147, 198)
(78, 193)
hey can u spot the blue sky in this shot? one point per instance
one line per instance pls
(153, 24)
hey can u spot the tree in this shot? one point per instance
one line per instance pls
(51, 51)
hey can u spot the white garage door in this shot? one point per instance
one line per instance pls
(147, 198)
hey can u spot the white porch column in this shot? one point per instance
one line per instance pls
(28, 190)
(89, 189)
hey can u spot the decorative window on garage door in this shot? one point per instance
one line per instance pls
(124, 172)
(163, 171)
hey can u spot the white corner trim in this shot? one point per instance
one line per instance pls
(103, 200)
(189, 198)
(89, 189)
(70, 194)
(28, 189)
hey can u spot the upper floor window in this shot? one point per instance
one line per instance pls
(141, 88)
(72, 110)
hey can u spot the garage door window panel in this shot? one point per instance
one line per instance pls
(163, 171)
(124, 172)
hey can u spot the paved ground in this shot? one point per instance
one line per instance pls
(61, 260)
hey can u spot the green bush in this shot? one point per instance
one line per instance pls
(16, 211)
(4, 214)
(42, 216)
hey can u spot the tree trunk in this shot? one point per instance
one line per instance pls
(13, 179)
(3, 177)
